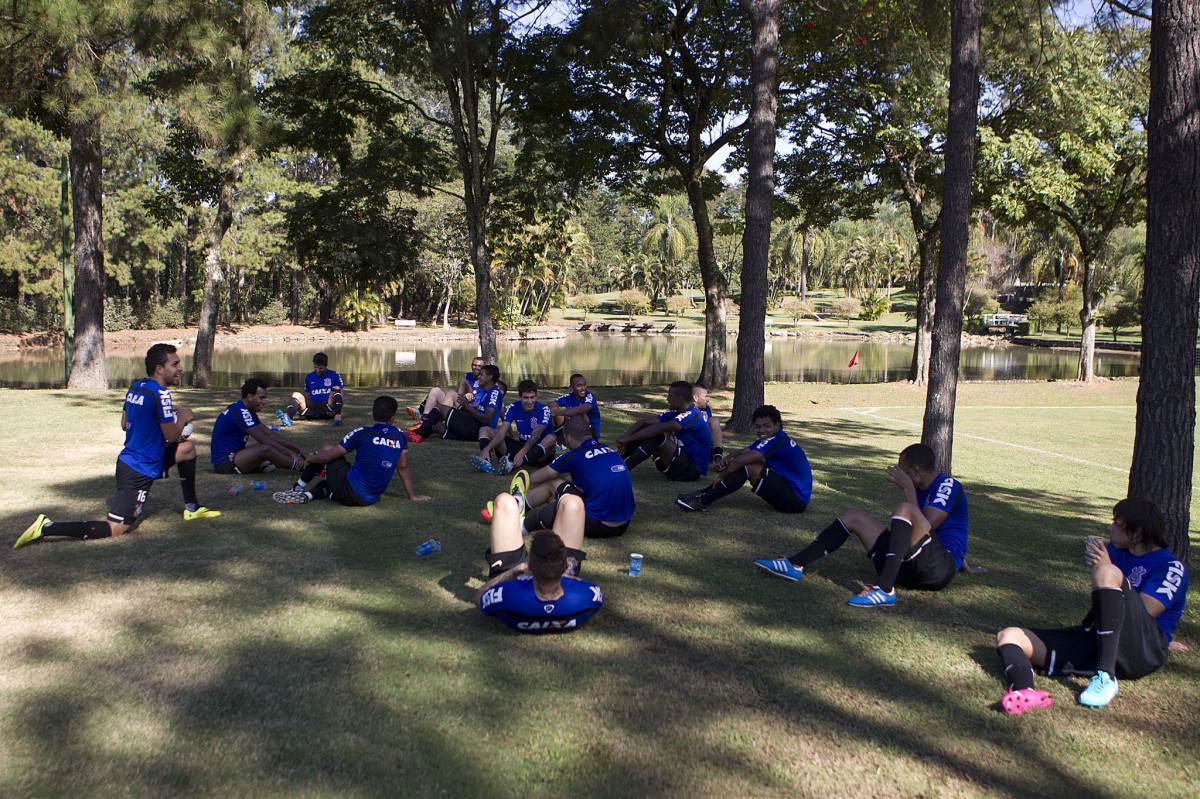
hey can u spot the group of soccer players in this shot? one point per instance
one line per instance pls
(568, 486)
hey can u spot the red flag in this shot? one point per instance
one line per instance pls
(853, 361)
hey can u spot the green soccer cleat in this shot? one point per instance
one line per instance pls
(33, 532)
(200, 513)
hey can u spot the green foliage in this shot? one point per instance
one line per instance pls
(633, 301)
(1123, 313)
(847, 307)
(169, 314)
(796, 308)
(585, 301)
(15, 318)
(678, 304)
(359, 310)
(273, 314)
(874, 306)
(979, 303)
(118, 315)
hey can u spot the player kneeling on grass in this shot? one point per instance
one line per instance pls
(924, 546)
(230, 450)
(380, 452)
(538, 591)
(679, 440)
(1138, 592)
(323, 396)
(532, 443)
(153, 427)
(775, 464)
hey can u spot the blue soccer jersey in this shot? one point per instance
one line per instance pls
(147, 406)
(472, 382)
(516, 604)
(490, 402)
(600, 473)
(1158, 574)
(695, 438)
(786, 458)
(229, 432)
(319, 387)
(946, 494)
(593, 414)
(524, 423)
(377, 451)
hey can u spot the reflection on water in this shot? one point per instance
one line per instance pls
(606, 359)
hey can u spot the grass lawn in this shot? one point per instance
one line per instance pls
(307, 651)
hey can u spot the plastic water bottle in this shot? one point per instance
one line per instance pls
(432, 545)
(275, 428)
(236, 488)
(258, 485)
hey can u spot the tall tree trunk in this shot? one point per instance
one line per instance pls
(206, 332)
(1087, 320)
(756, 239)
(938, 426)
(87, 216)
(1164, 440)
(804, 251)
(481, 265)
(918, 370)
(714, 372)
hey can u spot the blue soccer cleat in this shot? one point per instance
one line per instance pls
(284, 419)
(1100, 691)
(482, 465)
(872, 596)
(781, 567)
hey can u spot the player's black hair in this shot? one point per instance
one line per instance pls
(767, 412)
(493, 371)
(1143, 520)
(157, 355)
(571, 379)
(699, 385)
(577, 427)
(384, 409)
(320, 359)
(547, 555)
(252, 385)
(919, 455)
(682, 388)
(525, 386)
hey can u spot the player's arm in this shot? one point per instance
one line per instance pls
(743, 457)
(652, 429)
(464, 388)
(481, 416)
(511, 574)
(578, 410)
(124, 421)
(171, 430)
(323, 455)
(545, 474)
(406, 479)
(899, 478)
(265, 435)
(714, 429)
(497, 437)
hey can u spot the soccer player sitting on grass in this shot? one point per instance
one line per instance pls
(775, 464)
(475, 420)
(1138, 592)
(323, 395)
(578, 402)
(468, 386)
(533, 443)
(924, 546)
(597, 474)
(538, 591)
(231, 452)
(700, 400)
(678, 440)
(153, 428)
(380, 453)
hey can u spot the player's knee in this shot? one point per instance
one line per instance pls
(1107, 575)
(1010, 635)
(504, 502)
(570, 503)
(186, 451)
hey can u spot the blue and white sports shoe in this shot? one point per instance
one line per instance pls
(781, 567)
(872, 596)
(284, 419)
(1100, 690)
(482, 465)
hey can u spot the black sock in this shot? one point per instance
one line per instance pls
(336, 403)
(543, 518)
(826, 541)
(1018, 670)
(1108, 616)
(725, 486)
(536, 454)
(84, 530)
(187, 481)
(293, 408)
(310, 471)
(574, 561)
(899, 540)
(483, 442)
(636, 457)
(427, 424)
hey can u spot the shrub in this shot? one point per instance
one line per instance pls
(796, 308)
(874, 307)
(273, 314)
(633, 301)
(15, 318)
(585, 301)
(169, 314)
(678, 304)
(846, 307)
(978, 304)
(118, 314)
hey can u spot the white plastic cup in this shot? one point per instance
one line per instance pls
(635, 565)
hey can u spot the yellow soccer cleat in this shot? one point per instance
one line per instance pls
(33, 532)
(199, 513)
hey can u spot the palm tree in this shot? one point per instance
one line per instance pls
(670, 238)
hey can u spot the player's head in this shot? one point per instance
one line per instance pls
(1141, 521)
(476, 366)
(254, 393)
(384, 409)
(500, 384)
(767, 421)
(679, 395)
(918, 456)
(547, 556)
(578, 385)
(527, 391)
(700, 395)
(159, 355)
(489, 373)
(576, 429)
(320, 363)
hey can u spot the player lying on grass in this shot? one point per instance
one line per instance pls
(1138, 592)
(153, 427)
(323, 395)
(922, 548)
(577, 402)
(590, 471)
(468, 386)
(775, 465)
(700, 400)
(379, 454)
(679, 440)
(538, 591)
(531, 443)
(231, 452)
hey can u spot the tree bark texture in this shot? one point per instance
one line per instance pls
(918, 371)
(938, 427)
(1166, 402)
(87, 216)
(756, 239)
(206, 329)
(714, 372)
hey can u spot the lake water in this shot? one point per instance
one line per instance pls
(605, 359)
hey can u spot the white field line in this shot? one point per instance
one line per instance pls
(872, 412)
